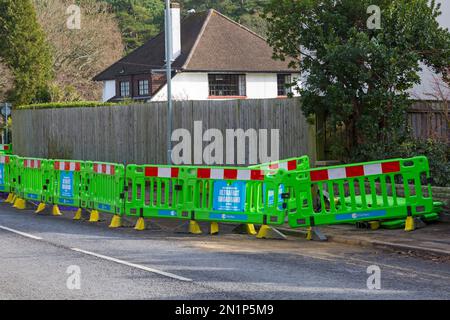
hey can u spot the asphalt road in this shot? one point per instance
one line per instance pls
(37, 250)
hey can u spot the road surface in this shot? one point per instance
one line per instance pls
(41, 255)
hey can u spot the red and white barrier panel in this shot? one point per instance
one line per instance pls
(4, 147)
(207, 173)
(288, 165)
(32, 163)
(108, 169)
(229, 174)
(4, 159)
(67, 166)
(355, 171)
(161, 172)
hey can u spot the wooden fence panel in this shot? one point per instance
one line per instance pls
(137, 133)
(429, 119)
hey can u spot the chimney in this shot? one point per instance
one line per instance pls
(176, 29)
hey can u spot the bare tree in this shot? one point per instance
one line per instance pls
(6, 81)
(441, 94)
(79, 54)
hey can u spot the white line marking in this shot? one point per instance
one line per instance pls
(138, 266)
(21, 233)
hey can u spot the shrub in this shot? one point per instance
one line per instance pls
(72, 104)
(438, 154)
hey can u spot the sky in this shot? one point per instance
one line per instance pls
(444, 19)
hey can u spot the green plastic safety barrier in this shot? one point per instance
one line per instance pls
(202, 193)
(14, 174)
(291, 164)
(154, 191)
(103, 187)
(34, 179)
(262, 194)
(7, 163)
(240, 195)
(67, 182)
(5, 148)
(349, 193)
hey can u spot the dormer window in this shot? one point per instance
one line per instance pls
(125, 88)
(143, 87)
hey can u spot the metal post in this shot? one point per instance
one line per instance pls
(168, 42)
(7, 105)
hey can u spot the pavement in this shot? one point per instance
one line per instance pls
(41, 254)
(432, 241)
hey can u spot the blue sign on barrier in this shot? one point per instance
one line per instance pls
(66, 184)
(105, 207)
(224, 216)
(167, 213)
(360, 215)
(32, 196)
(2, 173)
(271, 196)
(229, 197)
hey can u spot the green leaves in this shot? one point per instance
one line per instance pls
(72, 104)
(359, 77)
(139, 20)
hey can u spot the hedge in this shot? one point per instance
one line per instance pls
(75, 104)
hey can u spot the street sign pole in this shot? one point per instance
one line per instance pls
(6, 111)
(168, 42)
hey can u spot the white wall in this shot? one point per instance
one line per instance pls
(261, 85)
(194, 86)
(109, 90)
(186, 86)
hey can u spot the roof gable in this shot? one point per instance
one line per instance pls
(225, 45)
(210, 42)
(151, 55)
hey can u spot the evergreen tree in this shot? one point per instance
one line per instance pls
(24, 50)
(139, 20)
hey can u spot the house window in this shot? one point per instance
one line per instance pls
(124, 88)
(282, 81)
(227, 84)
(143, 87)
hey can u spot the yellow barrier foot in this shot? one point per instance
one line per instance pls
(214, 228)
(40, 208)
(245, 229)
(55, 210)
(194, 228)
(9, 198)
(95, 216)
(20, 204)
(409, 224)
(13, 199)
(140, 224)
(315, 234)
(374, 225)
(78, 214)
(116, 221)
(266, 232)
(309, 234)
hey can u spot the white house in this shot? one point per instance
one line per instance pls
(214, 58)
